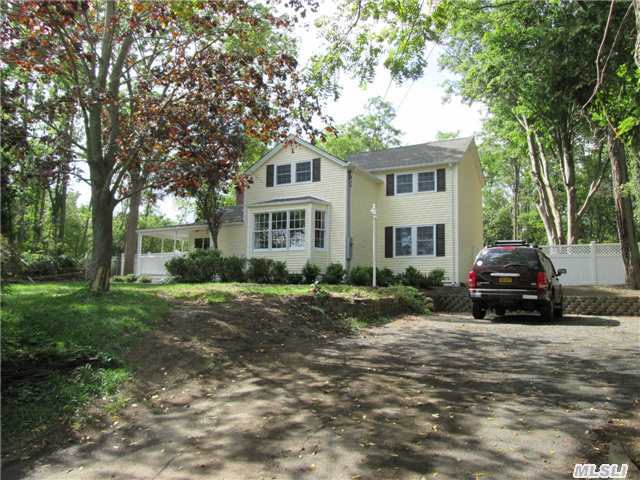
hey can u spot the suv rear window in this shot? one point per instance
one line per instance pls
(508, 256)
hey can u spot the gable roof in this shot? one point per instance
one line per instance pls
(303, 199)
(444, 151)
(282, 145)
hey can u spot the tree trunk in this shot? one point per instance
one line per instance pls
(515, 211)
(636, 5)
(624, 212)
(102, 240)
(567, 164)
(131, 236)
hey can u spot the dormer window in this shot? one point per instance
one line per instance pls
(283, 174)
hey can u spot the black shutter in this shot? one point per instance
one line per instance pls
(390, 184)
(440, 240)
(316, 169)
(442, 182)
(388, 242)
(270, 175)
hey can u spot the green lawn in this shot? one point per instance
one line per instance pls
(56, 322)
(51, 323)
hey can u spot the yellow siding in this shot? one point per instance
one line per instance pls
(231, 240)
(423, 208)
(331, 188)
(470, 211)
(364, 193)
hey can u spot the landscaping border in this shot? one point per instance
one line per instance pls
(584, 305)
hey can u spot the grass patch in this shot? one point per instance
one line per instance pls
(44, 325)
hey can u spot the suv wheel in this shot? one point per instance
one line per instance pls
(547, 311)
(477, 311)
(557, 311)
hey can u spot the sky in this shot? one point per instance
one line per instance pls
(420, 107)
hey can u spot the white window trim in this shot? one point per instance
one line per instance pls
(310, 172)
(415, 183)
(324, 229)
(291, 174)
(294, 170)
(414, 241)
(270, 231)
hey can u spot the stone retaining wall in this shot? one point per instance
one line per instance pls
(572, 304)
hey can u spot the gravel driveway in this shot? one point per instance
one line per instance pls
(444, 396)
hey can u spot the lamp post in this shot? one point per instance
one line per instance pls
(374, 213)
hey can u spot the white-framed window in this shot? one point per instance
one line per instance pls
(425, 240)
(296, 229)
(320, 228)
(414, 241)
(427, 181)
(403, 241)
(404, 183)
(202, 242)
(303, 172)
(283, 174)
(261, 231)
(279, 230)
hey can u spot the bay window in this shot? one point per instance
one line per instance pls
(281, 230)
(320, 228)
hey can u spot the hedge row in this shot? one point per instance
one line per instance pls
(207, 265)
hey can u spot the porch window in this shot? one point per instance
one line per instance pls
(320, 228)
(404, 241)
(204, 242)
(296, 229)
(279, 230)
(261, 231)
(283, 174)
(303, 172)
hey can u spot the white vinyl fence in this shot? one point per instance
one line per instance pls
(588, 264)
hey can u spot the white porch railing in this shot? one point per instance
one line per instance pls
(588, 264)
(153, 263)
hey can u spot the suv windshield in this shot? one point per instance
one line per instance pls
(508, 256)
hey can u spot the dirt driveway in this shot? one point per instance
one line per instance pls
(444, 396)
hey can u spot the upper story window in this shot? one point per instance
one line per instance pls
(303, 172)
(427, 182)
(283, 174)
(404, 183)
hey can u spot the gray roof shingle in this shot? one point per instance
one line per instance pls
(444, 151)
(306, 198)
(232, 214)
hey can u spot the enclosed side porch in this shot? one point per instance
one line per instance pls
(158, 245)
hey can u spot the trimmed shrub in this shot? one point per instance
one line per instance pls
(118, 279)
(360, 275)
(435, 277)
(198, 265)
(411, 297)
(295, 278)
(66, 264)
(414, 278)
(131, 278)
(259, 270)
(37, 264)
(310, 272)
(385, 277)
(279, 272)
(232, 269)
(144, 279)
(334, 273)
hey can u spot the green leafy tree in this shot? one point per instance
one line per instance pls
(372, 130)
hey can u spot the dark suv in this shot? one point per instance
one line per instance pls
(512, 275)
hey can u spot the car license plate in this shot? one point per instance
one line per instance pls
(504, 280)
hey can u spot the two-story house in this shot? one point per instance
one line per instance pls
(307, 205)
